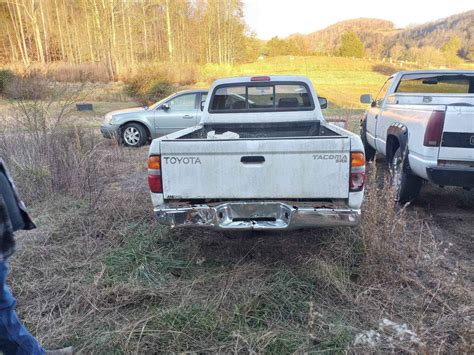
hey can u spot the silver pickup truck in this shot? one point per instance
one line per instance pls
(262, 157)
(423, 123)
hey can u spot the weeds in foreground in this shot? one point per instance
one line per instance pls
(101, 275)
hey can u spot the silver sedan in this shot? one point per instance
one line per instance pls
(135, 126)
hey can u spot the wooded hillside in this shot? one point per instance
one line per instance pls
(437, 33)
(372, 32)
(380, 36)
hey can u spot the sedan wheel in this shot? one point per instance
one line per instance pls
(134, 135)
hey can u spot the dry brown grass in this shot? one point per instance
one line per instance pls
(65, 72)
(101, 275)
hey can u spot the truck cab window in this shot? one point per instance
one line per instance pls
(260, 96)
(229, 98)
(436, 84)
(292, 96)
(263, 97)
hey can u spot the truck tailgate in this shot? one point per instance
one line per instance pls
(458, 134)
(312, 167)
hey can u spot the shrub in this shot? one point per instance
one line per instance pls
(146, 89)
(47, 153)
(155, 81)
(67, 72)
(31, 86)
(67, 162)
(40, 105)
(385, 69)
(6, 77)
(159, 90)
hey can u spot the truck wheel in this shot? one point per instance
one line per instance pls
(407, 186)
(369, 151)
(134, 135)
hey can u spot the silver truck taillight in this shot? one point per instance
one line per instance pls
(434, 129)
(154, 174)
(357, 176)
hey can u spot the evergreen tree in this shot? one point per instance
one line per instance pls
(351, 45)
(451, 49)
(453, 45)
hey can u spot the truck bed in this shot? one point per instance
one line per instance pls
(265, 130)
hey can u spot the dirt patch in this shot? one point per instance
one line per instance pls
(450, 214)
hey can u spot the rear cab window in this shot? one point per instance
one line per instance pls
(436, 84)
(261, 97)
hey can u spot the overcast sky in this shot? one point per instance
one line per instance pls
(269, 18)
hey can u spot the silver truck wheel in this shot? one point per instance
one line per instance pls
(396, 170)
(134, 135)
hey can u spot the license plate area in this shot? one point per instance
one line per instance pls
(255, 215)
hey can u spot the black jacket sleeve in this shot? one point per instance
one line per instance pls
(13, 214)
(17, 212)
(10, 204)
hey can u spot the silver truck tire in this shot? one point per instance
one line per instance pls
(407, 186)
(369, 151)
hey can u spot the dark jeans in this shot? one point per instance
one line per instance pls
(14, 338)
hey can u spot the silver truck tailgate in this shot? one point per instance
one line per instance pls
(311, 167)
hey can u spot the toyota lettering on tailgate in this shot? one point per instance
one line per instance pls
(182, 160)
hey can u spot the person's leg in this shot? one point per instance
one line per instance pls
(14, 338)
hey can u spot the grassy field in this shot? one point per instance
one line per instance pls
(340, 80)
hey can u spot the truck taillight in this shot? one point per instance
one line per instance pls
(154, 174)
(357, 182)
(434, 129)
(357, 175)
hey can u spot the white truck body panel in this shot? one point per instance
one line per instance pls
(220, 174)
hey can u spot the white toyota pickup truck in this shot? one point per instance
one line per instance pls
(423, 123)
(262, 157)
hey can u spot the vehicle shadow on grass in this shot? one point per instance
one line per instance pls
(266, 247)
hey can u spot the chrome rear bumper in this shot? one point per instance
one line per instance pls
(255, 215)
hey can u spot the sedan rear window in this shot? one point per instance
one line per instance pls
(261, 97)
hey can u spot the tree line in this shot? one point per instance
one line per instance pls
(121, 33)
(118, 34)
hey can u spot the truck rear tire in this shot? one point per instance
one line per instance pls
(369, 151)
(407, 186)
(133, 135)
